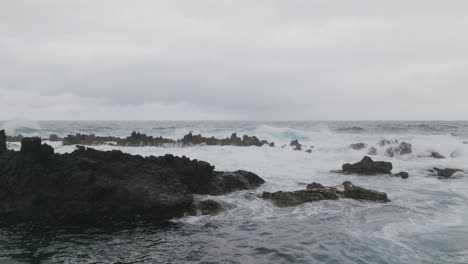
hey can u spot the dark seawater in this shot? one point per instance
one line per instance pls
(426, 222)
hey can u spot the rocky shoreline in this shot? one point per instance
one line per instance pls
(89, 185)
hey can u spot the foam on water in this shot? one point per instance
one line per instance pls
(426, 222)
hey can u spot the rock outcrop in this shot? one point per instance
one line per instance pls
(92, 185)
(16, 138)
(436, 155)
(317, 192)
(367, 167)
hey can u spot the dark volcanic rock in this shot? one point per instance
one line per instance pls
(143, 140)
(317, 192)
(359, 193)
(91, 185)
(368, 167)
(3, 140)
(296, 145)
(447, 172)
(287, 199)
(358, 146)
(403, 175)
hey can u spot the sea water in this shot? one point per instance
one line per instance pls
(425, 222)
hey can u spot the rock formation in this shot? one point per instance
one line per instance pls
(143, 140)
(317, 192)
(367, 167)
(92, 185)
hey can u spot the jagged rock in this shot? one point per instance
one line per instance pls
(368, 167)
(92, 185)
(372, 151)
(436, 155)
(17, 138)
(402, 149)
(403, 175)
(296, 145)
(3, 139)
(317, 192)
(359, 193)
(447, 172)
(358, 146)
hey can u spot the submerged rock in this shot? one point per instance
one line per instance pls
(403, 175)
(358, 146)
(309, 151)
(92, 185)
(385, 142)
(317, 192)
(447, 172)
(402, 149)
(372, 151)
(368, 167)
(296, 145)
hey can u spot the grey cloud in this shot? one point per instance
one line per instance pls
(234, 59)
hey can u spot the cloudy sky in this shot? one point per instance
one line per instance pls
(240, 60)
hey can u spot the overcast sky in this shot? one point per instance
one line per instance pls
(242, 60)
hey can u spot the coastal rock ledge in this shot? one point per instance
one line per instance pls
(91, 185)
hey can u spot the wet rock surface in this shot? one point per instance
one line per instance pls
(317, 192)
(367, 167)
(359, 193)
(92, 185)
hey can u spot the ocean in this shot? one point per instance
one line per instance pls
(425, 222)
